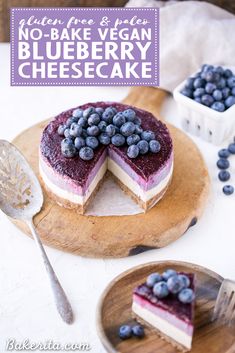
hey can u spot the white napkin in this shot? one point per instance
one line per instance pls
(191, 34)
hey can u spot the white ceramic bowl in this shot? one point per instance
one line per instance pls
(200, 120)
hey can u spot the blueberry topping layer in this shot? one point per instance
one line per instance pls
(106, 126)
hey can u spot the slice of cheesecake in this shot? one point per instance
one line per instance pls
(172, 319)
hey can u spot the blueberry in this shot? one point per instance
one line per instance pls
(229, 101)
(102, 126)
(198, 100)
(153, 278)
(228, 189)
(68, 150)
(154, 146)
(210, 76)
(161, 290)
(231, 82)
(184, 280)
(199, 83)
(187, 92)
(125, 332)
(82, 122)
(77, 113)
(174, 284)
(67, 141)
(61, 129)
(218, 106)
(210, 87)
(189, 83)
(143, 146)
(87, 112)
(168, 273)
(84, 133)
(99, 110)
(186, 296)
(224, 153)
(104, 139)
(137, 121)
(138, 331)
(217, 95)
(225, 92)
(231, 148)
(75, 130)
(86, 153)
(79, 142)
(70, 121)
(148, 135)
(129, 114)
(207, 67)
(224, 175)
(119, 119)
(219, 69)
(132, 139)
(67, 133)
(93, 130)
(127, 129)
(92, 142)
(233, 91)
(198, 92)
(133, 151)
(228, 73)
(118, 140)
(138, 129)
(223, 163)
(221, 84)
(207, 100)
(94, 119)
(108, 115)
(110, 130)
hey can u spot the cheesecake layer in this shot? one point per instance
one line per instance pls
(72, 196)
(136, 187)
(154, 317)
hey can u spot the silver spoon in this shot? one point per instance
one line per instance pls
(21, 198)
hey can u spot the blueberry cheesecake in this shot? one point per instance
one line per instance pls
(166, 303)
(81, 145)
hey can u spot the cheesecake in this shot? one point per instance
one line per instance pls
(171, 315)
(141, 161)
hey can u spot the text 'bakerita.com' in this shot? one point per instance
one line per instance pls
(49, 345)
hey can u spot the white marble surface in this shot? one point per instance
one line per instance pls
(26, 308)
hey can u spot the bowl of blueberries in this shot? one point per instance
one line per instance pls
(206, 103)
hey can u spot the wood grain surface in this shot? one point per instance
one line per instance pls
(115, 236)
(115, 309)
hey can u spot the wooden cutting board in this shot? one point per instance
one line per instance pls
(114, 310)
(115, 236)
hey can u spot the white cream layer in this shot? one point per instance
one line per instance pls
(134, 186)
(164, 326)
(70, 196)
(119, 173)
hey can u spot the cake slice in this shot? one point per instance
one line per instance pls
(172, 315)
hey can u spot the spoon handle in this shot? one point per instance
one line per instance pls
(61, 301)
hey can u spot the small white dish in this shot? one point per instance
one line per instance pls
(202, 121)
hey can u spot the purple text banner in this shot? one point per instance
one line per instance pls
(84, 46)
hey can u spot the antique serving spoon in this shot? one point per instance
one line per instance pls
(21, 198)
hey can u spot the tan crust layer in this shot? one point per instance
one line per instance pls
(163, 336)
(145, 205)
(68, 204)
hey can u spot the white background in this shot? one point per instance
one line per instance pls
(26, 308)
